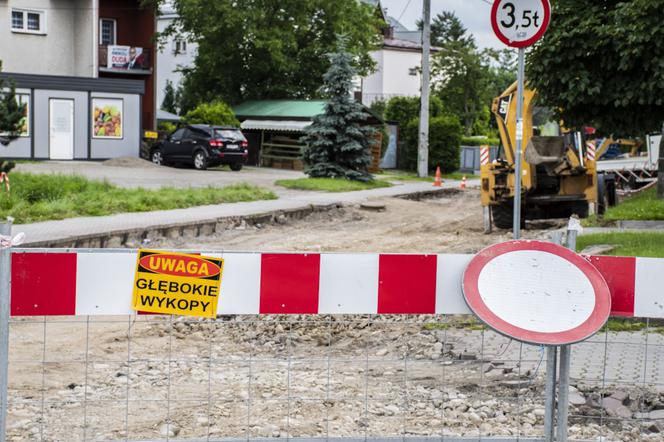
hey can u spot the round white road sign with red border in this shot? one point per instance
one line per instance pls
(520, 23)
(537, 292)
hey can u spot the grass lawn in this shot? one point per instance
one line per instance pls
(644, 244)
(645, 206)
(401, 175)
(41, 197)
(331, 184)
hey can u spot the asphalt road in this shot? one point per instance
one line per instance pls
(140, 173)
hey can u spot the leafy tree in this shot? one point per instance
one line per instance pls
(338, 142)
(169, 103)
(262, 49)
(461, 72)
(502, 71)
(603, 67)
(463, 76)
(216, 113)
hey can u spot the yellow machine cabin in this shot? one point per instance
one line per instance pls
(559, 178)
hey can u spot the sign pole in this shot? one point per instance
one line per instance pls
(550, 393)
(519, 143)
(5, 299)
(565, 360)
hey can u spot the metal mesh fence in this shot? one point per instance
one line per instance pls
(324, 377)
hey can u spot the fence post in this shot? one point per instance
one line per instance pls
(565, 355)
(550, 393)
(5, 285)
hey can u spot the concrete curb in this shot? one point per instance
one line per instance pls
(115, 238)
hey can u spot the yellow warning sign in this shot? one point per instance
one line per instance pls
(177, 283)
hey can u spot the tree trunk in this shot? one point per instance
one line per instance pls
(660, 168)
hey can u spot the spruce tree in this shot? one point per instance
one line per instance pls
(11, 113)
(338, 142)
(169, 104)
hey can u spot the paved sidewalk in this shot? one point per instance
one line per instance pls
(73, 228)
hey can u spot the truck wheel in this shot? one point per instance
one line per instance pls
(503, 216)
(602, 200)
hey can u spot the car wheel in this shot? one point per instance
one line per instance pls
(236, 167)
(200, 160)
(157, 157)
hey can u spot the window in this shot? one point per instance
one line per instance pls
(107, 34)
(178, 135)
(31, 22)
(179, 47)
(17, 20)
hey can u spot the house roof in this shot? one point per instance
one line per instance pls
(291, 110)
(162, 115)
(280, 109)
(276, 125)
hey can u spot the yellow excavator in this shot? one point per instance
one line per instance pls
(559, 179)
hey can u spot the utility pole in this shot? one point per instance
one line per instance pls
(660, 168)
(423, 145)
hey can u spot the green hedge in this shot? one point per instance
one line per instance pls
(444, 143)
(467, 141)
(405, 109)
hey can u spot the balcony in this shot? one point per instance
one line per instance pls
(125, 60)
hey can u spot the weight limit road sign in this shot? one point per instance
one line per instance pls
(520, 23)
(537, 292)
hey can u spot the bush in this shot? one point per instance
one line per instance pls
(444, 143)
(216, 113)
(166, 126)
(470, 141)
(405, 109)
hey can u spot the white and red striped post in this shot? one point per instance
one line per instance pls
(485, 155)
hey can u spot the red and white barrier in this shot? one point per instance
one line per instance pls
(484, 155)
(100, 283)
(590, 151)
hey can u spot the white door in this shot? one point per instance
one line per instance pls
(61, 126)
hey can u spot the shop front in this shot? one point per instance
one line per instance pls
(72, 118)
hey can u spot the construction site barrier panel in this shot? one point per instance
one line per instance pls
(314, 347)
(52, 282)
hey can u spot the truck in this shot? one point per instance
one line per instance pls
(559, 174)
(633, 170)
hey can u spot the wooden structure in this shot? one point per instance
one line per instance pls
(274, 129)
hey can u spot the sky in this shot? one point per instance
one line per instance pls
(474, 14)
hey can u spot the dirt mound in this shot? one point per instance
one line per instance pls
(131, 162)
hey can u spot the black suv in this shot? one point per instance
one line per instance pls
(203, 146)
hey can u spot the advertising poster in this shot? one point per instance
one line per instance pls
(126, 58)
(107, 118)
(118, 57)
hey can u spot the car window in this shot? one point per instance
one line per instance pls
(232, 134)
(199, 134)
(178, 135)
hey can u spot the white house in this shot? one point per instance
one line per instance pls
(83, 70)
(176, 53)
(398, 63)
(397, 72)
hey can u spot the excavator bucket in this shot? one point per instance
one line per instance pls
(545, 150)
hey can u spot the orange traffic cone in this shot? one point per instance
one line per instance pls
(438, 182)
(462, 186)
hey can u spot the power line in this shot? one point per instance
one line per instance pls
(404, 10)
